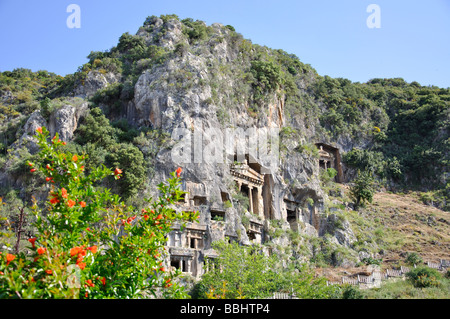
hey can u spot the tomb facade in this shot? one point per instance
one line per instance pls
(329, 157)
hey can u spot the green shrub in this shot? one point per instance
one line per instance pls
(97, 129)
(423, 277)
(132, 160)
(328, 175)
(195, 30)
(268, 77)
(365, 160)
(352, 292)
(413, 259)
(362, 189)
(246, 272)
(230, 27)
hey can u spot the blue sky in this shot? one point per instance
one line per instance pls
(331, 35)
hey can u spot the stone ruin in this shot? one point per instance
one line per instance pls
(189, 247)
(329, 157)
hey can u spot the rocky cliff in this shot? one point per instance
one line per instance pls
(242, 121)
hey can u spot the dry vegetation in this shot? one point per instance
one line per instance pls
(399, 224)
(419, 228)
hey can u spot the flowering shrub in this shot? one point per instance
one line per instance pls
(89, 244)
(423, 277)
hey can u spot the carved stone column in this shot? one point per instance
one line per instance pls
(250, 198)
(260, 202)
(188, 265)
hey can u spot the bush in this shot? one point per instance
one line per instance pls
(328, 175)
(363, 188)
(195, 30)
(351, 292)
(268, 77)
(132, 159)
(89, 244)
(413, 259)
(423, 277)
(246, 272)
(97, 129)
(365, 160)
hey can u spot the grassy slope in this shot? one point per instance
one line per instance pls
(414, 226)
(398, 224)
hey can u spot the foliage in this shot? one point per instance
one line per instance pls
(111, 144)
(404, 289)
(365, 160)
(362, 189)
(247, 272)
(268, 77)
(88, 244)
(129, 156)
(351, 292)
(328, 175)
(26, 85)
(423, 277)
(413, 259)
(406, 123)
(96, 128)
(195, 30)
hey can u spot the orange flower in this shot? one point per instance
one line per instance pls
(9, 258)
(179, 170)
(81, 265)
(39, 129)
(32, 241)
(64, 192)
(54, 200)
(75, 250)
(49, 271)
(75, 158)
(83, 204)
(117, 172)
(93, 249)
(71, 203)
(159, 217)
(41, 250)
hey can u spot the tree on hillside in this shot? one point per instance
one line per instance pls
(363, 188)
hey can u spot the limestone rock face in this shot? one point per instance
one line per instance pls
(34, 121)
(340, 229)
(65, 120)
(158, 101)
(94, 81)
